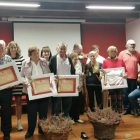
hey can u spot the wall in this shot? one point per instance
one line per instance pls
(133, 32)
(6, 31)
(103, 35)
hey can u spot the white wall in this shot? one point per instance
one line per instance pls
(46, 34)
(133, 32)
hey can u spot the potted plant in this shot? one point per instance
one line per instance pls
(56, 128)
(104, 122)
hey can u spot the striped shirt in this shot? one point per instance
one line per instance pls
(18, 89)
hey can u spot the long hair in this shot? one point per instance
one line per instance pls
(46, 49)
(18, 53)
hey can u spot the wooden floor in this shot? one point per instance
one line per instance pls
(131, 126)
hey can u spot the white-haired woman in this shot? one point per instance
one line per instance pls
(114, 62)
(14, 51)
(92, 80)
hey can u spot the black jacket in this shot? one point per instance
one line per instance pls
(53, 65)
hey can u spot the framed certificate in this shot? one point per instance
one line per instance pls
(41, 86)
(113, 78)
(67, 85)
(9, 75)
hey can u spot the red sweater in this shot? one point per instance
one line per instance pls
(109, 63)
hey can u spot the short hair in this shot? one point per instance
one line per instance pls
(46, 49)
(32, 49)
(62, 44)
(93, 47)
(112, 48)
(76, 46)
(92, 52)
(72, 55)
(2, 42)
(18, 53)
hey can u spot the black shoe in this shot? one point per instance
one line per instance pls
(83, 135)
(40, 131)
(138, 115)
(132, 112)
(6, 137)
(28, 135)
(126, 112)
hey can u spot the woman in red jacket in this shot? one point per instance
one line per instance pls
(114, 62)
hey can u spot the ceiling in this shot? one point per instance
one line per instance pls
(73, 9)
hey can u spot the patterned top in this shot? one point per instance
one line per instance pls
(6, 59)
(18, 89)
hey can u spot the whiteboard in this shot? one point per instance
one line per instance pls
(46, 34)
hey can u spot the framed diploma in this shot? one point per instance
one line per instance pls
(41, 86)
(9, 75)
(113, 78)
(67, 85)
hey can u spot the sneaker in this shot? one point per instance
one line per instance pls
(83, 135)
(132, 112)
(19, 126)
(80, 121)
(73, 122)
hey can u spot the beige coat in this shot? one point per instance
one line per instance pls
(26, 70)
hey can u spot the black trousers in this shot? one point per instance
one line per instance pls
(126, 91)
(75, 108)
(34, 106)
(98, 93)
(5, 101)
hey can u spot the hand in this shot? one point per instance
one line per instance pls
(56, 81)
(79, 87)
(26, 84)
(125, 76)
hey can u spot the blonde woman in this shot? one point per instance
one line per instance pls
(114, 62)
(92, 81)
(14, 51)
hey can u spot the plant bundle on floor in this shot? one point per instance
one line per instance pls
(57, 127)
(104, 122)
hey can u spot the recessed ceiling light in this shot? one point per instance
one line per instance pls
(18, 4)
(111, 7)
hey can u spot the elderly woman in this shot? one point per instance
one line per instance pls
(92, 81)
(14, 51)
(31, 67)
(114, 62)
(75, 108)
(46, 53)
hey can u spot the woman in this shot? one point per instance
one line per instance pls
(92, 82)
(75, 108)
(46, 53)
(114, 62)
(30, 67)
(14, 51)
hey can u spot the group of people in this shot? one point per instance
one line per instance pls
(64, 63)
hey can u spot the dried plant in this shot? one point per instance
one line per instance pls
(105, 116)
(56, 124)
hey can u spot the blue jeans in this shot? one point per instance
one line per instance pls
(133, 98)
(66, 105)
(126, 91)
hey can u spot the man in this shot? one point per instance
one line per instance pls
(61, 64)
(131, 59)
(5, 98)
(99, 58)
